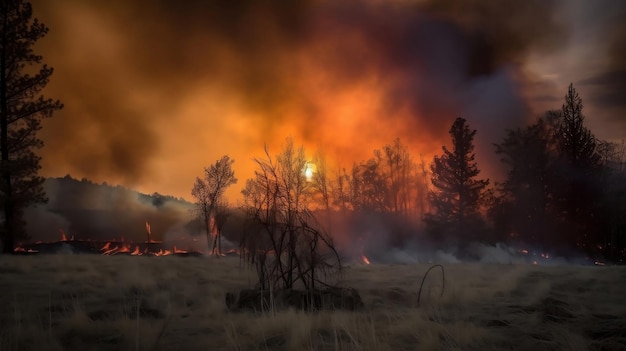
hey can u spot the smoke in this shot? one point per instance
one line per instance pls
(154, 90)
(498, 253)
(607, 86)
(88, 211)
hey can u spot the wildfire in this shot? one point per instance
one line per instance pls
(106, 246)
(365, 259)
(21, 249)
(178, 251)
(149, 232)
(136, 252)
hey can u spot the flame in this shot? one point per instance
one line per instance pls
(125, 248)
(149, 232)
(21, 249)
(162, 252)
(63, 236)
(365, 259)
(177, 251)
(136, 252)
(111, 248)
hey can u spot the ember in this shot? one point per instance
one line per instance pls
(63, 236)
(365, 259)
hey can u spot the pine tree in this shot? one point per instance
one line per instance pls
(457, 195)
(22, 108)
(578, 162)
(525, 199)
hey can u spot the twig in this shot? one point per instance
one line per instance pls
(443, 282)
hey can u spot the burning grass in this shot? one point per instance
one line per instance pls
(92, 302)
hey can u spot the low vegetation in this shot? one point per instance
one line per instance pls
(89, 302)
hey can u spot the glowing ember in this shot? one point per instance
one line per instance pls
(149, 232)
(598, 263)
(106, 246)
(124, 248)
(21, 249)
(162, 252)
(136, 252)
(177, 251)
(365, 259)
(524, 251)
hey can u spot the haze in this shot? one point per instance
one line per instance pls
(156, 90)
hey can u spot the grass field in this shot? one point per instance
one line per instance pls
(90, 302)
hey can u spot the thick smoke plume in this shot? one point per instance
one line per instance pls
(83, 210)
(155, 90)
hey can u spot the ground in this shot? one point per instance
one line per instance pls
(91, 302)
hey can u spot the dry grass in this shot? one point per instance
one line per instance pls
(74, 302)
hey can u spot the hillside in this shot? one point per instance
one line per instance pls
(87, 210)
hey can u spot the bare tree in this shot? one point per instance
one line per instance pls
(210, 204)
(398, 172)
(284, 241)
(21, 110)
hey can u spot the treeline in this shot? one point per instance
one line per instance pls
(564, 193)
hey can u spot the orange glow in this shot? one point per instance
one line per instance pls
(178, 251)
(345, 117)
(136, 252)
(106, 246)
(365, 259)
(149, 232)
(63, 236)
(21, 249)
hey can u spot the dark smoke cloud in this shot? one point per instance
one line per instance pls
(155, 90)
(611, 81)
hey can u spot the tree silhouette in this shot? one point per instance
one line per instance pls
(575, 142)
(210, 204)
(457, 195)
(284, 241)
(525, 197)
(576, 191)
(22, 108)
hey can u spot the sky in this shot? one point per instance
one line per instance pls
(156, 90)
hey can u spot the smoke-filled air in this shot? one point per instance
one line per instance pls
(312, 175)
(154, 91)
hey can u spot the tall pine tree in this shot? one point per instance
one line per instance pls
(22, 107)
(578, 162)
(457, 193)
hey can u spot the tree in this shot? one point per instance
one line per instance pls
(22, 107)
(284, 240)
(577, 190)
(210, 204)
(456, 196)
(525, 197)
(576, 144)
(398, 171)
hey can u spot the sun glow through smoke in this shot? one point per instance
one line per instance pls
(309, 171)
